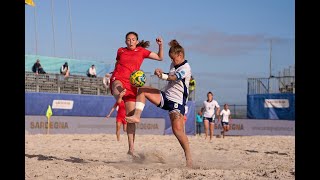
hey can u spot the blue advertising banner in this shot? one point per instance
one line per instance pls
(95, 106)
(271, 106)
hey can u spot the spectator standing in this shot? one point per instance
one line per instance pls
(106, 82)
(192, 87)
(199, 122)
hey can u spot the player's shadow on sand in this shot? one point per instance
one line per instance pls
(42, 157)
(50, 158)
(114, 162)
(275, 152)
(252, 151)
(76, 160)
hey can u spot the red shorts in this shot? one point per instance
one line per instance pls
(131, 92)
(121, 120)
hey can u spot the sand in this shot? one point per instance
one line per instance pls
(100, 156)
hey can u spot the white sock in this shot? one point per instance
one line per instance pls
(140, 105)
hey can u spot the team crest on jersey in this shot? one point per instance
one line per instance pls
(175, 105)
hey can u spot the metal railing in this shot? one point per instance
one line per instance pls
(56, 83)
(284, 84)
(77, 84)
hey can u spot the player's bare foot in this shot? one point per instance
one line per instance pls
(132, 119)
(132, 154)
(189, 163)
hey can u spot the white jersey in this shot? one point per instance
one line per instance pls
(209, 108)
(177, 91)
(225, 115)
(64, 69)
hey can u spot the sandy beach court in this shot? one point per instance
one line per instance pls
(100, 156)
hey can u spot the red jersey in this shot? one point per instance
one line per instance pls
(121, 108)
(129, 61)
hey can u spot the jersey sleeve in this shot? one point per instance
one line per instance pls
(145, 52)
(183, 72)
(118, 53)
(217, 105)
(203, 105)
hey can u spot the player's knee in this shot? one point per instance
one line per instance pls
(177, 128)
(178, 131)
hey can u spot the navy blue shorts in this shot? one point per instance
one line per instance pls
(211, 120)
(224, 123)
(170, 105)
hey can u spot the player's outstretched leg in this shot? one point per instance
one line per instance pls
(152, 94)
(135, 118)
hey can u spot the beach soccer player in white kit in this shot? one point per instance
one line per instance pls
(226, 117)
(208, 110)
(174, 98)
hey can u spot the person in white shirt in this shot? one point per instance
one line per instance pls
(65, 69)
(173, 98)
(208, 109)
(92, 71)
(106, 82)
(226, 117)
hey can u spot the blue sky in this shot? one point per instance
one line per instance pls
(226, 41)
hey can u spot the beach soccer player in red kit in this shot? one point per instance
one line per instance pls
(129, 59)
(120, 119)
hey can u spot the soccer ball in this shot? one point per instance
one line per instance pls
(138, 78)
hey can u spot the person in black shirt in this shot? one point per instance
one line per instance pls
(37, 68)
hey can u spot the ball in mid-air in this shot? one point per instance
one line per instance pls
(138, 78)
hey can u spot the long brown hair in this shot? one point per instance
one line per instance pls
(175, 48)
(142, 43)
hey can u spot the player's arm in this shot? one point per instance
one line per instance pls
(164, 76)
(178, 75)
(218, 111)
(220, 114)
(112, 109)
(230, 118)
(157, 56)
(202, 108)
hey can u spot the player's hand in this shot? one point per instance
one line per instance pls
(108, 116)
(159, 41)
